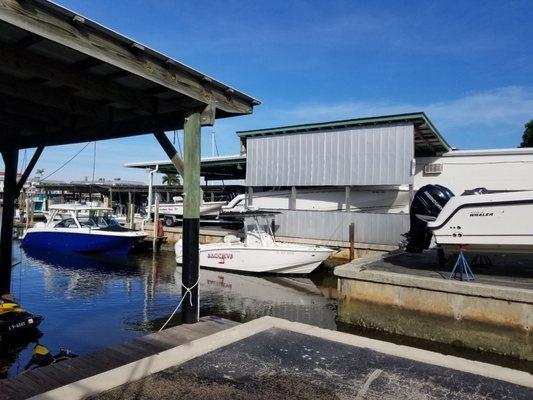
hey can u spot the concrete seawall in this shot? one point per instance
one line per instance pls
(481, 316)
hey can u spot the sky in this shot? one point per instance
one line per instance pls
(467, 65)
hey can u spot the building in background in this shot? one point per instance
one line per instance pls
(322, 177)
(494, 170)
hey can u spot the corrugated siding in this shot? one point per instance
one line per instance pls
(333, 225)
(379, 155)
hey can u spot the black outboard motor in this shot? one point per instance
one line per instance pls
(426, 206)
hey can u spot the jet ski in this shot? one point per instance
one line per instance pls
(475, 222)
(15, 319)
(41, 357)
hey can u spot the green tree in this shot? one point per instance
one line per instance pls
(527, 137)
(171, 180)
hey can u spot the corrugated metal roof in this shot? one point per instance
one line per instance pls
(427, 136)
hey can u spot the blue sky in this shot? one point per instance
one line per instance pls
(468, 65)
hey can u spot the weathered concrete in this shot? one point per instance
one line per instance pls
(491, 316)
(273, 358)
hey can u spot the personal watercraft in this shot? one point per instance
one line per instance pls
(14, 319)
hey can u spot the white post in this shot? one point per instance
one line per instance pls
(150, 189)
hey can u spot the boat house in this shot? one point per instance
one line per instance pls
(67, 79)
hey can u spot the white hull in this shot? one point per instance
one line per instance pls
(392, 200)
(486, 223)
(208, 208)
(277, 258)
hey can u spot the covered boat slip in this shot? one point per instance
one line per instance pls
(66, 79)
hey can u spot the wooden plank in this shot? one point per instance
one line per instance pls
(95, 43)
(43, 379)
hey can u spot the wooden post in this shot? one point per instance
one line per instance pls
(156, 224)
(191, 217)
(128, 210)
(352, 240)
(8, 214)
(132, 216)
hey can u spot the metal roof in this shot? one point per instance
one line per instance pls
(427, 137)
(212, 168)
(66, 79)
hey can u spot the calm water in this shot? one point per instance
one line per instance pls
(91, 302)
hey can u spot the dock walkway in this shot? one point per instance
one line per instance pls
(44, 379)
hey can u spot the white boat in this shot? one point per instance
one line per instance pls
(81, 228)
(391, 199)
(172, 212)
(478, 223)
(258, 252)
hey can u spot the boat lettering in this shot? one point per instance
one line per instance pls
(221, 256)
(481, 214)
(16, 326)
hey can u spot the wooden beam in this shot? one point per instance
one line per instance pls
(42, 113)
(99, 131)
(170, 150)
(53, 71)
(58, 98)
(8, 214)
(29, 168)
(102, 45)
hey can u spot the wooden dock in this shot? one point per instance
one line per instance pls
(44, 379)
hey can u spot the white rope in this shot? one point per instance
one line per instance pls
(188, 291)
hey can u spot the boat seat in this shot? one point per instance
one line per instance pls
(231, 239)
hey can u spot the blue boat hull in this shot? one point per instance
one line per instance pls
(79, 242)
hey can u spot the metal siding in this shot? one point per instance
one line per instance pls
(352, 156)
(333, 225)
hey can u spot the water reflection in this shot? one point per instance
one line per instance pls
(90, 302)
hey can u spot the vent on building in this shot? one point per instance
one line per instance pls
(433, 168)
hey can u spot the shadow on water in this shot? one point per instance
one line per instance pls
(90, 302)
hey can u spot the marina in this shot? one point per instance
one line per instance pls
(334, 250)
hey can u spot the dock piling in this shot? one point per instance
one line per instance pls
(351, 231)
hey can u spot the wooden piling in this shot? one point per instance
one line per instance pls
(8, 214)
(191, 218)
(352, 240)
(156, 224)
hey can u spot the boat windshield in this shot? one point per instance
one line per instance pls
(97, 221)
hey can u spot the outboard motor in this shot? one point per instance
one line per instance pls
(426, 206)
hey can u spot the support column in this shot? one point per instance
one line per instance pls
(292, 200)
(8, 214)
(191, 216)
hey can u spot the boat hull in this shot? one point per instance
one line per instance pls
(274, 259)
(80, 242)
(497, 223)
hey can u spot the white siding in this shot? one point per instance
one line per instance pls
(379, 155)
(464, 171)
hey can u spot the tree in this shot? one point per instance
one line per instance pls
(527, 137)
(171, 180)
(39, 174)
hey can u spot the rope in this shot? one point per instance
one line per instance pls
(65, 163)
(188, 291)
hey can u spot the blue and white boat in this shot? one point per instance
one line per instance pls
(81, 228)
